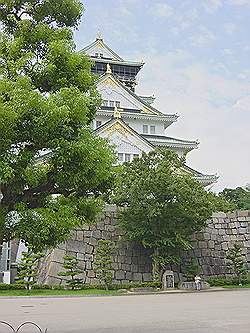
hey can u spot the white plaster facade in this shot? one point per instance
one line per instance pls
(127, 120)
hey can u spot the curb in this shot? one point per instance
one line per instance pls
(172, 292)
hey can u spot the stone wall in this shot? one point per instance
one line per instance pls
(132, 262)
(222, 232)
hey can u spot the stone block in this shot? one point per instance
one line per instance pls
(75, 246)
(57, 255)
(80, 256)
(54, 268)
(87, 234)
(114, 265)
(126, 267)
(147, 277)
(205, 252)
(197, 252)
(134, 268)
(120, 275)
(220, 215)
(79, 235)
(89, 265)
(110, 228)
(211, 244)
(137, 276)
(222, 232)
(213, 237)
(96, 234)
(100, 226)
(73, 234)
(202, 245)
(207, 236)
(91, 273)
(89, 257)
(92, 241)
(242, 231)
(89, 249)
(128, 276)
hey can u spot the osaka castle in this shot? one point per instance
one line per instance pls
(128, 120)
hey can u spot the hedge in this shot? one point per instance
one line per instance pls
(15, 286)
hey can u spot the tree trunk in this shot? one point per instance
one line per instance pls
(156, 266)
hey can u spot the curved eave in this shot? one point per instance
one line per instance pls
(164, 118)
(118, 62)
(206, 180)
(169, 144)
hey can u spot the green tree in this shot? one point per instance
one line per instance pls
(236, 262)
(191, 268)
(164, 205)
(238, 196)
(27, 268)
(103, 261)
(71, 270)
(53, 168)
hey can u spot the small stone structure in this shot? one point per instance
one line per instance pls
(192, 286)
(168, 279)
(132, 262)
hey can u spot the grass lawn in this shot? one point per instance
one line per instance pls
(235, 286)
(44, 292)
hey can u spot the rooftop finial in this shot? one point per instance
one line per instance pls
(117, 113)
(109, 70)
(99, 35)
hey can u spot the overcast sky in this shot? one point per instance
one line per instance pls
(197, 55)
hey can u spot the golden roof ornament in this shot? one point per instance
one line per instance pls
(117, 113)
(109, 70)
(99, 35)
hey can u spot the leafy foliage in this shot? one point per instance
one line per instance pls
(53, 169)
(236, 262)
(240, 197)
(103, 261)
(164, 205)
(71, 270)
(27, 269)
(191, 268)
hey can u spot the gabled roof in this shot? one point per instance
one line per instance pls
(99, 43)
(145, 105)
(126, 127)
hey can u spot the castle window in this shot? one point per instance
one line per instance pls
(111, 103)
(136, 156)
(98, 123)
(120, 157)
(145, 129)
(152, 129)
(127, 157)
(105, 103)
(117, 104)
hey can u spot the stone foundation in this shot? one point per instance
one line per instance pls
(132, 262)
(221, 233)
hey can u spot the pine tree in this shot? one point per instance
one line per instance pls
(103, 261)
(71, 270)
(27, 269)
(236, 262)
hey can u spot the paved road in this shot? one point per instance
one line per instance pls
(217, 312)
